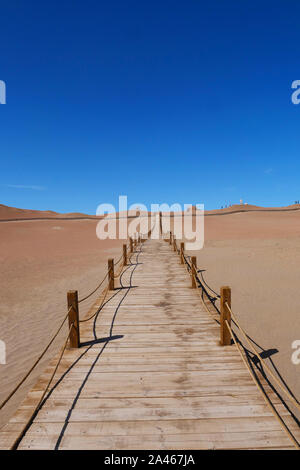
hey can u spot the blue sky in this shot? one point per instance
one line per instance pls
(164, 101)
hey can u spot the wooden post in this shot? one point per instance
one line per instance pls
(111, 280)
(174, 243)
(73, 309)
(131, 244)
(125, 254)
(182, 252)
(225, 315)
(194, 271)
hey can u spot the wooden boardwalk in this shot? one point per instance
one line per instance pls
(161, 380)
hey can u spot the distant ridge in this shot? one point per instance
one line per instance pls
(236, 208)
(14, 214)
(8, 213)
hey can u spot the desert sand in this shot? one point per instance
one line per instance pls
(253, 250)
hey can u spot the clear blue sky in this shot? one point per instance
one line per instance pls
(164, 101)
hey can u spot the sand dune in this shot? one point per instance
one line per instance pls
(13, 213)
(251, 208)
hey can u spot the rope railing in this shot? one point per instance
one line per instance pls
(118, 261)
(12, 393)
(111, 276)
(117, 274)
(205, 283)
(185, 259)
(104, 294)
(201, 287)
(225, 315)
(249, 341)
(16, 443)
(264, 394)
(105, 277)
(72, 309)
(257, 355)
(95, 290)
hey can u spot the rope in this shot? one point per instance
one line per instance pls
(117, 262)
(206, 308)
(254, 352)
(35, 364)
(203, 290)
(267, 400)
(248, 339)
(202, 277)
(287, 393)
(105, 277)
(105, 291)
(99, 285)
(119, 272)
(197, 280)
(35, 411)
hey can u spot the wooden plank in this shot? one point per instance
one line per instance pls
(273, 440)
(81, 415)
(165, 366)
(166, 427)
(151, 402)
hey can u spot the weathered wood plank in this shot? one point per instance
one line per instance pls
(213, 441)
(81, 415)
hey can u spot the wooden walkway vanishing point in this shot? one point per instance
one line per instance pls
(155, 378)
